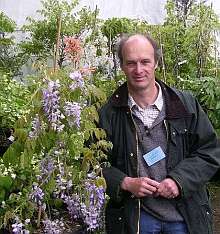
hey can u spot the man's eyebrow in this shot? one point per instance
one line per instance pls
(131, 61)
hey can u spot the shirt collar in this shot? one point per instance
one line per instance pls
(158, 102)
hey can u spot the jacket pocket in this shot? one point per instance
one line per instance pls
(208, 217)
(203, 199)
(115, 221)
(178, 146)
(197, 214)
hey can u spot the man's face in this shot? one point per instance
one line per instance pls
(139, 64)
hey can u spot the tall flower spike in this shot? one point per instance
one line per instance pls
(78, 81)
(37, 194)
(73, 113)
(46, 169)
(53, 227)
(36, 127)
(92, 213)
(51, 105)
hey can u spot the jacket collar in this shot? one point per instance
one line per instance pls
(173, 105)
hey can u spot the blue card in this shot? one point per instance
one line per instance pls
(154, 156)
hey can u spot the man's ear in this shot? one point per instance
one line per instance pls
(156, 65)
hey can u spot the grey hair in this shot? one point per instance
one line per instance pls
(125, 37)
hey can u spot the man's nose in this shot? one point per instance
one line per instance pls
(138, 68)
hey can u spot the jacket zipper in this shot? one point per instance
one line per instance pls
(166, 127)
(167, 137)
(139, 203)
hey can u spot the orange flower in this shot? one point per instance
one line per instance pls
(87, 70)
(73, 48)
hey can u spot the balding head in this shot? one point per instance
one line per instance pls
(138, 37)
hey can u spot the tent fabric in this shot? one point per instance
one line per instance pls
(152, 11)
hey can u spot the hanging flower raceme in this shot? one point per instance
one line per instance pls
(37, 195)
(36, 127)
(47, 166)
(19, 228)
(89, 211)
(73, 205)
(78, 81)
(73, 48)
(93, 213)
(73, 113)
(53, 227)
(51, 105)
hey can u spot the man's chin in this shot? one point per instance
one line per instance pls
(138, 87)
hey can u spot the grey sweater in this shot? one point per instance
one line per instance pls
(150, 138)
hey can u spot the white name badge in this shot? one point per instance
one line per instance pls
(154, 156)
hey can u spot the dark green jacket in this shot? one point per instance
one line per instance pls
(194, 158)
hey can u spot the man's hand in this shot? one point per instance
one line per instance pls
(140, 187)
(168, 189)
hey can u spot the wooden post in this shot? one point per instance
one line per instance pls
(56, 54)
(162, 57)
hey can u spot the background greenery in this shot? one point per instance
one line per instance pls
(190, 61)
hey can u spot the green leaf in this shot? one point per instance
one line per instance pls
(218, 105)
(87, 159)
(6, 182)
(58, 203)
(51, 185)
(12, 155)
(100, 182)
(2, 194)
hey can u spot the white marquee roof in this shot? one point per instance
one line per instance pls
(151, 10)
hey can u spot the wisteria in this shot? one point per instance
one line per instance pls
(78, 81)
(73, 206)
(36, 127)
(73, 112)
(62, 185)
(19, 228)
(91, 210)
(53, 227)
(51, 105)
(93, 213)
(47, 167)
(55, 193)
(37, 194)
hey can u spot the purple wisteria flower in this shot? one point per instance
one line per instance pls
(47, 166)
(78, 81)
(73, 206)
(73, 112)
(51, 105)
(36, 127)
(53, 227)
(18, 227)
(89, 211)
(93, 213)
(63, 186)
(37, 194)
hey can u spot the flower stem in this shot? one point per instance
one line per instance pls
(39, 216)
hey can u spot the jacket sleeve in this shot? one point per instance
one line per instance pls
(112, 175)
(203, 159)
(114, 178)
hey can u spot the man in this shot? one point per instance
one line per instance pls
(164, 151)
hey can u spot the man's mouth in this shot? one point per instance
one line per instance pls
(139, 79)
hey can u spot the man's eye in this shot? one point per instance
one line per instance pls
(145, 62)
(131, 63)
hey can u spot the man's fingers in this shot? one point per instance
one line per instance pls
(151, 188)
(168, 188)
(151, 182)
